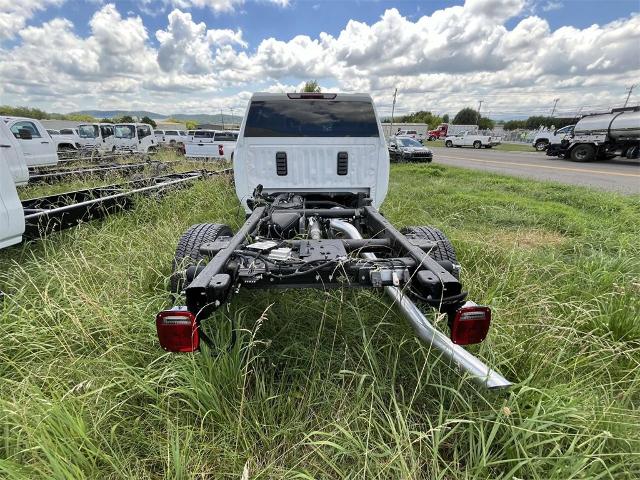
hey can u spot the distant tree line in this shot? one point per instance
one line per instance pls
(466, 116)
(535, 122)
(42, 115)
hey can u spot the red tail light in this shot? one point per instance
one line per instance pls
(178, 330)
(470, 325)
(221, 150)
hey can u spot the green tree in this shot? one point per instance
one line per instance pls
(148, 121)
(124, 119)
(486, 123)
(466, 116)
(312, 87)
(106, 120)
(445, 118)
(191, 124)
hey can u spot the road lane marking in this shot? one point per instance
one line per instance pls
(567, 169)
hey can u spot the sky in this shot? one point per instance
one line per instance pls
(204, 56)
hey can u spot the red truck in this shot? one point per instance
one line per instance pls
(445, 129)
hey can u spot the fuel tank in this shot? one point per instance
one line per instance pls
(617, 125)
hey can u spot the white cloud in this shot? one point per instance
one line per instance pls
(14, 14)
(443, 61)
(552, 5)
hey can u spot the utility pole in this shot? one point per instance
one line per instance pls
(233, 117)
(629, 94)
(479, 107)
(555, 102)
(393, 109)
(222, 116)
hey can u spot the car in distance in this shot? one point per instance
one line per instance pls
(466, 139)
(406, 149)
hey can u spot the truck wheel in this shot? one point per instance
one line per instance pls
(448, 144)
(188, 251)
(477, 144)
(443, 252)
(583, 152)
(541, 145)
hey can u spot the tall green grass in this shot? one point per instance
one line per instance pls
(330, 384)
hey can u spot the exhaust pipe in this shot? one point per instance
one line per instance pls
(479, 372)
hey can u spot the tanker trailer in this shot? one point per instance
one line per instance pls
(602, 136)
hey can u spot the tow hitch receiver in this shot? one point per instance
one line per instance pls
(470, 324)
(178, 330)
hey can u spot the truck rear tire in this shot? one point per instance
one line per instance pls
(443, 252)
(477, 144)
(541, 145)
(583, 152)
(448, 144)
(188, 251)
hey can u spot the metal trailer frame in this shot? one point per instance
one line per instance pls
(57, 212)
(57, 175)
(337, 256)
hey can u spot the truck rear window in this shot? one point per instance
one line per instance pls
(311, 118)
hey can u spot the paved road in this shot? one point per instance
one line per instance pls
(616, 175)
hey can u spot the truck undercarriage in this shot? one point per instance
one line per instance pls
(293, 241)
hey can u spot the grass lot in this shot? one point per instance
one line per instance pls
(504, 147)
(331, 385)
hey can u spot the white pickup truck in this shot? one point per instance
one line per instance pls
(466, 139)
(212, 144)
(545, 137)
(13, 171)
(37, 145)
(12, 156)
(69, 141)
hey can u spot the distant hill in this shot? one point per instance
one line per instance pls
(197, 117)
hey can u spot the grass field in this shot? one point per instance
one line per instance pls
(503, 147)
(334, 384)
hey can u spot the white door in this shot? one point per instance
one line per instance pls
(38, 146)
(13, 156)
(11, 213)
(146, 139)
(108, 138)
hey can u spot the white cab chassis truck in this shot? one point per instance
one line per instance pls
(467, 139)
(38, 147)
(97, 138)
(311, 170)
(135, 138)
(13, 156)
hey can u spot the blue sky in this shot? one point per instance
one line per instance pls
(186, 55)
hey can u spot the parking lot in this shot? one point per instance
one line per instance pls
(621, 176)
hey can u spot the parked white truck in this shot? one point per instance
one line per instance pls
(13, 156)
(97, 137)
(134, 138)
(37, 145)
(466, 139)
(212, 144)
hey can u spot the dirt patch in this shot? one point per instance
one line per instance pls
(526, 238)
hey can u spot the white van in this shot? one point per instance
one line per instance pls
(37, 145)
(135, 137)
(11, 213)
(13, 155)
(97, 137)
(311, 143)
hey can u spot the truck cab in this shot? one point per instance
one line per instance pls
(327, 144)
(37, 145)
(13, 156)
(134, 137)
(98, 137)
